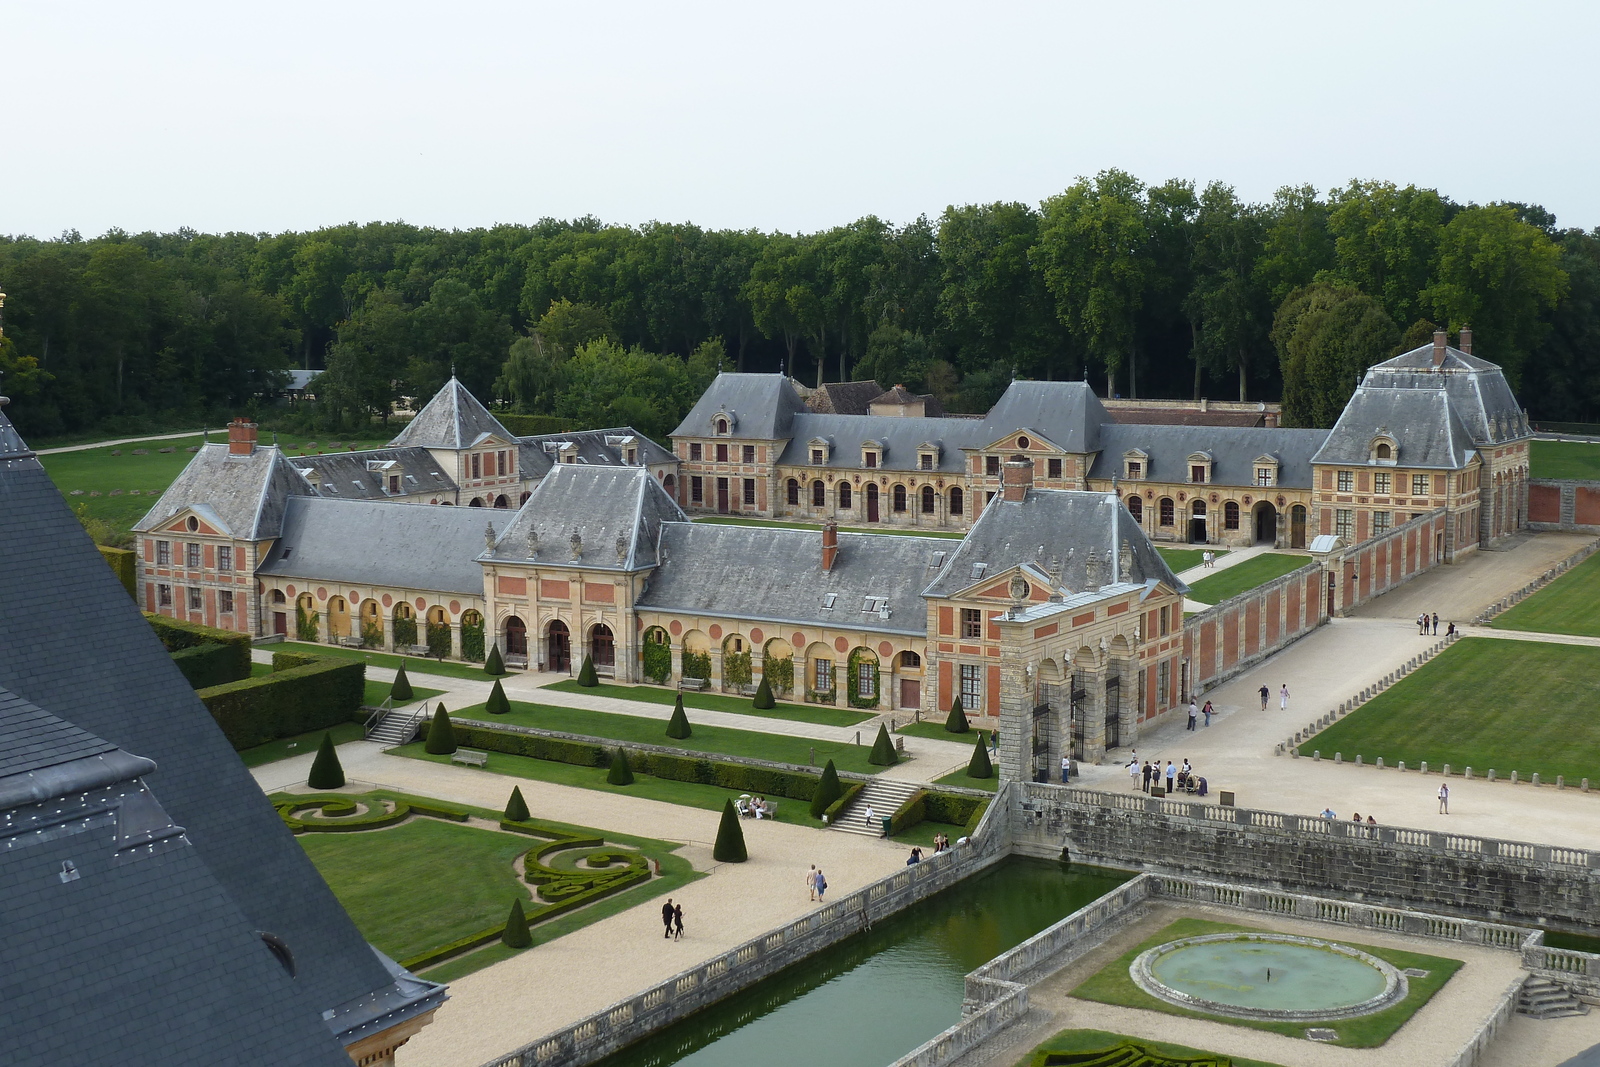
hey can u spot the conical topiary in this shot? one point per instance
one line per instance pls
(883, 754)
(828, 790)
(586, 673)
(730, 837)
(400, 691)
(497, 704)
(494, 666)
(763, 699)
(957, 722)
(620, 773)
(516, 931)
(979, 766)
(325, 770)
(441, 735)
(678, 725)
(516, 807)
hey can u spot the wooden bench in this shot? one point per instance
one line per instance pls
(694, 683)
(470, 756)
(519, 662)
(350, 642)
(414, 650)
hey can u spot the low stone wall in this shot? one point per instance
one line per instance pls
(1484, 1036)
(1538, 583)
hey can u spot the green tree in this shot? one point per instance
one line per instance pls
(979, 766)
(516, 806)
(365, 364)
(441, 735)
(497, 704)
(678, 725)
(956, 721)
(569, 326)
(1298, 245)
(828, 791)
(326, 773)
(494, 666)
(1228, 303)
(516, 933)
(1327, 335)
(400, 688)
(620, 773)
(729, 846)
(883, 753)
(587, 675)
(1385, 241)
(992, 303)
(763, 698)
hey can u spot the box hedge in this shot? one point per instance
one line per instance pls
(951, 809)
(177, 635)
(210, 664)
(122, 565)
(288, 661)
(254, 711)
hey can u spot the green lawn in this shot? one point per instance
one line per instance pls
(1094, 1040)
(299, 744)
(1181, 559)
(732, 520)
(414, 665)
(820, 714)
(1112, 984)
(960, 778)
(1483, 702)
(1568, 605)
(719, 740)
(936, 731)
(377, 692)
(1564, 459)
(1258, 570)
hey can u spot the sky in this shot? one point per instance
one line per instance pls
(775, 116)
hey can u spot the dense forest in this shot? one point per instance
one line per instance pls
(1161, 291)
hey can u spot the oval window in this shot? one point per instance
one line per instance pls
(194, 524)
(1022, 442)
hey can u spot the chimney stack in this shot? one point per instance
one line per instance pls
(830, 544)
(1016, 479)
(1466, 340)
(1438, 349)
(241, 437)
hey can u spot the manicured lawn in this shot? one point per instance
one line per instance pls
(729, 520)
(1181, 559)
(989, 784)
(935, 730)
(813, 713)
(924, 832)
(1568, 605)
(414, 665)
(1483, 702)
(299, 744)
(710, 739)
(1258, 570)
(1094, 1040)
(1112, 984)
(377, 692)
(1563, 459)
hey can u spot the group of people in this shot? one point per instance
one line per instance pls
(1195, 711)
(1428, 626)
(1177, 776)
(1283, 696)
(816, 882)
(754, 807)
(672, 918)
(1330, 814)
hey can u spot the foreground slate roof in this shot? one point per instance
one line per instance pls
(601, 448)
(761, 405)
(616, 513)
(1423, 422)
(363, 475)
(373, 542)
(244, 494)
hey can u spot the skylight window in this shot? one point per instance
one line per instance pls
(938, 560)
(827, 601)
(978, 569)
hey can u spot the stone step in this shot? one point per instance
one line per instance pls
(1543, 999)
(885, 797)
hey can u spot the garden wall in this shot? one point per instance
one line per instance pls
(1564, 504)
(284, 703)
(1231, 637)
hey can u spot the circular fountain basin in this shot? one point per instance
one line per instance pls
(1275, 977)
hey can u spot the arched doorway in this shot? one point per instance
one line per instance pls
(872, 502)
(280, 613)
(1297, 526)
(602, 647)
(516, 637)
(908, 668)
(477, 502)
(338, 618)
(501, 501)
(670, 484)
(1197, 523)
(558, 647)
(1266, 523)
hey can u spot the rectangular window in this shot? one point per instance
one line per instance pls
(869, 459)
(191, 556)
(1164, 685)
(1263, 475)
(1344, 524)
(927, 461)
(824, 676)
(816, 457)
(633, 456)
(1381, 482)
(749, 453)
(1166, 511)
(971, 687)
(991, 466)
(971, 622)
(1135, 470)
(225, 558)
(197, 599)
(694, 451)
(749, 492)
(1053, 467)
(164, 596)
(1382, 521)
(794, 493)
(697, 489)
(225, 602)
(501, 464)
(394, 483)
(1419, 485)
(819, 494)
(1346, 481)
(1164, 627)
(722, 453)
(1197, 473)
(477, 465)
(163, 553)
(866, 680)
(1438, 484)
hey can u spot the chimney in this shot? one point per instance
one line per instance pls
(1438, 349)
(241, 437)
(1016, 479)
(1466, 340)
(830, 544)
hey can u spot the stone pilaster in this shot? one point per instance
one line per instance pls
(1016, 705)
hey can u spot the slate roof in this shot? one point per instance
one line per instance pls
(899, 437)
(594, 447)
(762, 406)
(843, 398)
(1233, 450)
(453, 419)
(600, 504)
(1068, 414)
(772, 574)
(154, 962)
(369, 542)
(1478, 390)
(35, 739)
(1053, 525)
(245, 494)
(345, 475)
(1424, 423)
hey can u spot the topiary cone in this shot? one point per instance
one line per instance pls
(326, 773)
(494, 666)
(678, 725)
(586, 673)
(957, 722)
(730, 837)
(400, 691)
(516, 807)
(441, 735)
(620, 773)
(497, 704)
(828, 790)
(763, 699)
(516, 931)
(979, 766)
(883, 753)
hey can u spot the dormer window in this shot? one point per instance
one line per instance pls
(632, 456)
(1384, 450)
(1265, 469)
(1135, 464)
(925, 461)
(723, 423)
(816, 457)
(1199, 468)
(869, 458)
(394, 483)
(928, 455)
(722, 427)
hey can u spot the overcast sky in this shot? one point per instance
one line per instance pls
(288, 116)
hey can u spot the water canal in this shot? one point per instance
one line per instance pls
(867, 1001)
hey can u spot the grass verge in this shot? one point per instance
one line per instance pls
(959, 778)
(1564, 459)
(1093, 1040)
(1257, 570)
(1181, 559)
(299, 744)
(935, 731)
(1568, 605)
(820, 714)
(376, 693)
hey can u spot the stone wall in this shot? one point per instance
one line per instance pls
(1231, 637)
(1564, 504)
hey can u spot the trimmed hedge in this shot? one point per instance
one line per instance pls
(210, 664)
(515, 934)
(927, 805)
(907, 815)
(845, 798)
(828, 790)
(122, 565)
(494, 666)
(254, 711)
(586, 674)
(441, 734)
(288, 661)
(620, 773)
(883, 752)
(400, 688)
(980, 766)
(729, 846)
(497, 704)
(956, 722)
(177, 635)
(326, 773)
(516, 807)
(678, 725)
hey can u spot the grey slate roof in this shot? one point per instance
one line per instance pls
(345, 475)
(370, 542)
(1233, 450)
(899, 436)
(1478, 390)
(245, 494)
(1053, 524)
(600, 504)
(843, 398)
(1068, 414)
(35, 739)
(1423, 422)
(772, 574)
(762, 406)
(592, 449)
(453, 419)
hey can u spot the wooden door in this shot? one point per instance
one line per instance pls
(910, 692)
(722, 496)
(872, 503)
(280, 623)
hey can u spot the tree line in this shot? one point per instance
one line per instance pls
(1147, 290)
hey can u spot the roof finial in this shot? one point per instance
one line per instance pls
(488, 537)
(577, 544)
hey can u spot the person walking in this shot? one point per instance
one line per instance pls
(1436, 624)
(870, 815)
(1066, 767)
(811, 882)
(1133, 772)
(1444, 799)
(1206, 711)
(1194, 713)
(677, 922)
(994, 743)
(822, 884)
(1283, 697)
(666, 917)
(1266, 695)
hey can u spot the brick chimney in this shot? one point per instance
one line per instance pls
(1016, 479)
(1438, 348)
(830, 544)
(1466, 340)
(241, 438)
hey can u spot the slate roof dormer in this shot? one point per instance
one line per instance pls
(600, 505)
(454, 419)
(1423, 426)
(1477, 389)
(766, 405)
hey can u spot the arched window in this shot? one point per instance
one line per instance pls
(1230, 515)
(956, 500)
(1199, 509)
(1136, 508)
(1166, 511)
(844, 495)
(722, 427)
(476, 503)
(1384, 451)
(899, 498)
(819, 494)
(927, 499)
(501, 501)
(794, 492)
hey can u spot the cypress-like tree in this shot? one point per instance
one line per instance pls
(586, 673)
(441, 735)
(516, 933)
(883, 754)
(497, 704)
(763, 698)
(979, 766)
(326, 773)
(730, 837)
(678, 725)
(957, 722)
(620, 773)
(828, 790)
(400, 691)
(516, 807)
(494, 666)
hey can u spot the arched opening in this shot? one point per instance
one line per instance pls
(278, 597)
(472, 635)
(1266, 523)
(516, 637)
(1297, 526)
(1136, 508)
(501, 501)
(1384, 451)
(280, 613)
(821, 674)
(655, 654)
(792, 492)
(957, 500)
(872, 501)
(402, 625)
(1197, 523)
(777, 664)
(338, 618)
(1230, 515)
(897, 500)
(863, 681)
(669, 483)
(558, 646)
(447, 503)
(819, 494)
(477, 502)
(438, 636)
(928, 498)
(602, 647)
(844, 496)
(1164, 513)
(696, 654)
(722, 427)
(371, 624)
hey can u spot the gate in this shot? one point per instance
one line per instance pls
(1043, 749)
(1113, 712)
(1079, 695)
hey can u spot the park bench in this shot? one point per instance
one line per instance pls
(519, 662)
(415, 650)
(694, 683)
(469, 756)
(350, 642)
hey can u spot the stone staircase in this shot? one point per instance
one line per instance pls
(398, 727)
(885, 796)
(1543, 999)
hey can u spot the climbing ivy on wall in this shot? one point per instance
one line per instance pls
(657, 660)
(697, 665)
(472, 641)
(439, 639)
(736, 668)
(371, 633)
(405, 631)
(852, 689)
(305, 623)
(779, 673)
